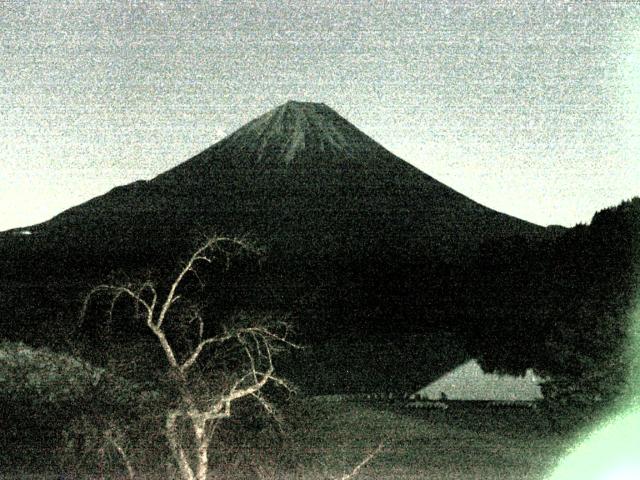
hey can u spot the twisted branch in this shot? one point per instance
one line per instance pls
(258, 342)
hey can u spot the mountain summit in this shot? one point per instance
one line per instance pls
(295, 137)
(295, 129)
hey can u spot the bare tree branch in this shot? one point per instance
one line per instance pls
(193, 357)
(111, 438)
(364, 461)
(198, 256)
(116, 292)
(172, 435)
(259, 340)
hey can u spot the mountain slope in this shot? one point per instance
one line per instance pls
(298, 176)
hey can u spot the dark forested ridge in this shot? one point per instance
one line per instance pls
(572, 298)
(390, 276)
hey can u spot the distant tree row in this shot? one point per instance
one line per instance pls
(566, 307)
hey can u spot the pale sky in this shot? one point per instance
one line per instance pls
(531, 108)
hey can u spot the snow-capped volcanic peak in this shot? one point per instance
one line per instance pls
(295, 127)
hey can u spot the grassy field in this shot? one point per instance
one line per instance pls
(327, 439)
(462, 443)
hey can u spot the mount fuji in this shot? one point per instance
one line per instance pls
(355, 239)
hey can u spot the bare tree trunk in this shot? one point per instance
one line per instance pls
(172, 435)
(202, 439)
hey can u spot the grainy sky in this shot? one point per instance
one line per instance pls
(531, 108)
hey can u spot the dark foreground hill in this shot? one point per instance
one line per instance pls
(370, 255)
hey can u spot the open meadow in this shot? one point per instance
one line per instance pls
(467, 441)
(464, 442)
(327, 439)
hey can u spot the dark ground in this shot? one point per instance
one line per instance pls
(325, 440)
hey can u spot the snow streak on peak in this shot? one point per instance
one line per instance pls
(295, 129)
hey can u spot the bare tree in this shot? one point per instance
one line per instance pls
(197, 409)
